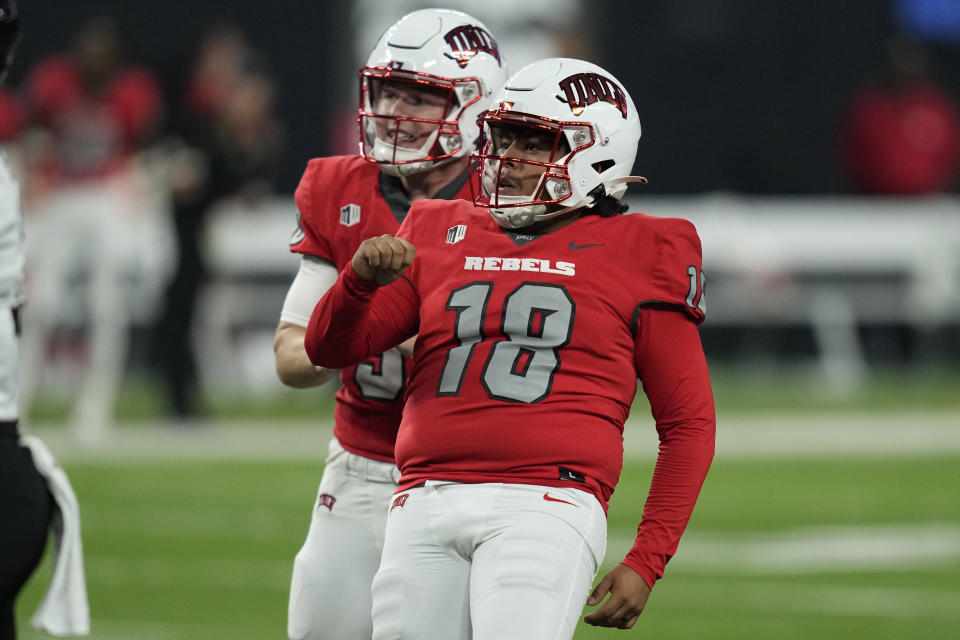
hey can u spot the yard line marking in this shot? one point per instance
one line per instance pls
(815, 435)
(187, 522)
(839, 549)
(165, 572)
(818, 599)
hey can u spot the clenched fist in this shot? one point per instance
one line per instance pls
(383, 259)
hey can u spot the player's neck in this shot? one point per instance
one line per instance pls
(422, 186)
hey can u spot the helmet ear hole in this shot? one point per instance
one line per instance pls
(603, 165)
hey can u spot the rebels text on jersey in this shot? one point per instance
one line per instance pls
(528, 355)
(340, 204)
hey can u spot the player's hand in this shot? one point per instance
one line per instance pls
(383, 259)
(628, 596)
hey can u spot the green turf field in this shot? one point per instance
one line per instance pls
(859, 546)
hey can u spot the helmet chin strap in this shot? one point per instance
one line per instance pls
(407, 168)
(524, 216)
(411, 160)
(519, 217)
(411, 168)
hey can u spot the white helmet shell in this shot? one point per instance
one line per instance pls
(441, 49)
(598, 120)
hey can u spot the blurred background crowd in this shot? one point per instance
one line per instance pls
(158, 146)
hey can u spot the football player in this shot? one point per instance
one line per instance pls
(536, 312)
(33, 489)
(421, 91)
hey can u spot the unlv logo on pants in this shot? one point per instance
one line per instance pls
(399, 501)
(583, 89)
(467, 41)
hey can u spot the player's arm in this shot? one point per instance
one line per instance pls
(313, 279)
(369, 309)
(672, 367)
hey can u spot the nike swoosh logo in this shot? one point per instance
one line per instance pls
(549, 498)
(583, 246)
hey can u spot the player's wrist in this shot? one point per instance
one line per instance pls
(648, 574)
(358, 283)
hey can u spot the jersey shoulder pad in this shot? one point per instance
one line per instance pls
(322, 179)
(677, 267)
(334, 174)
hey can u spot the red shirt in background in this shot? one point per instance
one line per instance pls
(903, 141)
(95, 130)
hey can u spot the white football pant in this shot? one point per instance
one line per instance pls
(114, 232)
(332, 573)
(487, 562)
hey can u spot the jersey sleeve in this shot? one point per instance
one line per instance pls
(672, 367)
(677, 277)
(309, 237)
(314, 278)
(357, 319)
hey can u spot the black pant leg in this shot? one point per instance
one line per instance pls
(26, 507)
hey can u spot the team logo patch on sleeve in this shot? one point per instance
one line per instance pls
(350, 215)
(456, 234)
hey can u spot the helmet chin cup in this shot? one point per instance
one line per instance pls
(408, 169)
(517, 217)
(399, 161)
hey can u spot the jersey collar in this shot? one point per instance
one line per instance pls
(399, 202)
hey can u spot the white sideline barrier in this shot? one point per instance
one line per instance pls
(771, 245)
(831, 263)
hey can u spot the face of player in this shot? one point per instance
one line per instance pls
(521, 148)
(402, 100)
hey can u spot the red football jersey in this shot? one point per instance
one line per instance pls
(96, 128)
(340, 205)
(528, 354)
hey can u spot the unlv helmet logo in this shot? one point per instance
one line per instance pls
(467, 41)
(582, 89)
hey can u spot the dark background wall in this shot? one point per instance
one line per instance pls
(733, 95)
(305, 45)
(739, 94)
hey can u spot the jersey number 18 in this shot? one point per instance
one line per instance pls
(537, 321)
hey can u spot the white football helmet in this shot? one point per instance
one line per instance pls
(579, 104)
(441, 49)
